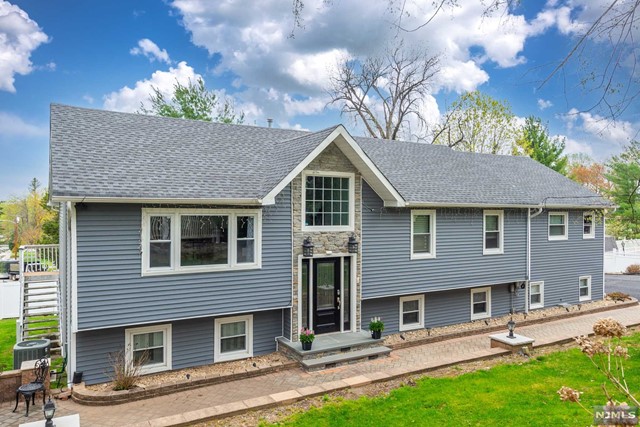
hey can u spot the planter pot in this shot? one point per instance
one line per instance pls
(376, 335)
(306, 346)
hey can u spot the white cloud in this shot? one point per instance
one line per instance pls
(151, 50)
(19, 36)
(88, 98)
(129, 99)
(573, 146)
(13, 125)
(617, 132)
(543, 104)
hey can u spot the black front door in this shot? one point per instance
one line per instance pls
(326, 295)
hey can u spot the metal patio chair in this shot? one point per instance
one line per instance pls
(29, 390)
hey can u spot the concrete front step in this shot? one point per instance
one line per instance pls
(340, 359)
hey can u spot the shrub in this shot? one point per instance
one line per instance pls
(125, 372)
(633, 269)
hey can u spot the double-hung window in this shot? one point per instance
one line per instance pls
(233, 338)
(588, 228)
(149, 346)
(493, 241)
(584, 288)
(411, 312)
(197, 240)
(328, 201)
(423, 234)
(536, 294)
(558, 226)
(480, 303)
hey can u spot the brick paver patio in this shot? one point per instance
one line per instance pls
(291, 384)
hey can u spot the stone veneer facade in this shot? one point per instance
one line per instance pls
(330, 160)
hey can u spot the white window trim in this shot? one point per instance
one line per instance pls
(156, 367)
(541, 303)
(500, 215)
(588, 296)
(566, 226)
(486, 314)
(432, 225)
(412, 326)
(591, 235)
(175, 215)
(352, 201)
(220, 357)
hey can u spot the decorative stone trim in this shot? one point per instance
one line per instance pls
(85, 396)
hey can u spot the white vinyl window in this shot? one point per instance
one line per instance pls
(536, 294)
(558, 226)
(493, 232)
(328, 201)
(198, 240)
(411, 312)
(233, 338)
(423, 234)
(588, 226)
(151, 346)
(480, 303)
(585, 288)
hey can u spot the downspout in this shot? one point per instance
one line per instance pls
(528, 275)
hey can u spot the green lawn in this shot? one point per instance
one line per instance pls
(506, 395)
(7, 341)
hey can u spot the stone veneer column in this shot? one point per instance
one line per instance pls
(330, 160)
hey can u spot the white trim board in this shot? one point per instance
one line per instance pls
(350, 148)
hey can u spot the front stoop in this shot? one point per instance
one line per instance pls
(329, 351)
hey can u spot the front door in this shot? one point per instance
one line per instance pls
(326, 301)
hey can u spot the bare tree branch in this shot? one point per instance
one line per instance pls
(384, 93)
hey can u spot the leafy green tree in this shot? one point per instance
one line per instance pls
(477, 123)
(624, 175)
(50, 226)
(193, 101)
(535, 142)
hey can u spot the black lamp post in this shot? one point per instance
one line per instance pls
(49, 410)
(307, 248)
(352, 245)
(511, 325)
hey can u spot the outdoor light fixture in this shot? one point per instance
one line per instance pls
(511, 325)
(307, 248)
(49, 410)
(353, 244)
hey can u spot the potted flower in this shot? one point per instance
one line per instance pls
(376, 326)
(306, 338)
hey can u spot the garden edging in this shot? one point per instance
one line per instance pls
(488, 329)
(85, 396)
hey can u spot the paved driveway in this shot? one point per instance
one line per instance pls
(623, 283)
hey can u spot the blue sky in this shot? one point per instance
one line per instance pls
(109, 54)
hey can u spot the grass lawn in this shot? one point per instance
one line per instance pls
(7, 341)
(506, 395)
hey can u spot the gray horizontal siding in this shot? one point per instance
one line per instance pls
(441, 308)
(111, 291)
(192, 344)
(560, 263)
(286, 326)
(387, 268)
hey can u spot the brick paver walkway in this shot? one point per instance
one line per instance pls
(256, 390)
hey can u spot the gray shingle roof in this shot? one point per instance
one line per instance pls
(104, 154)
